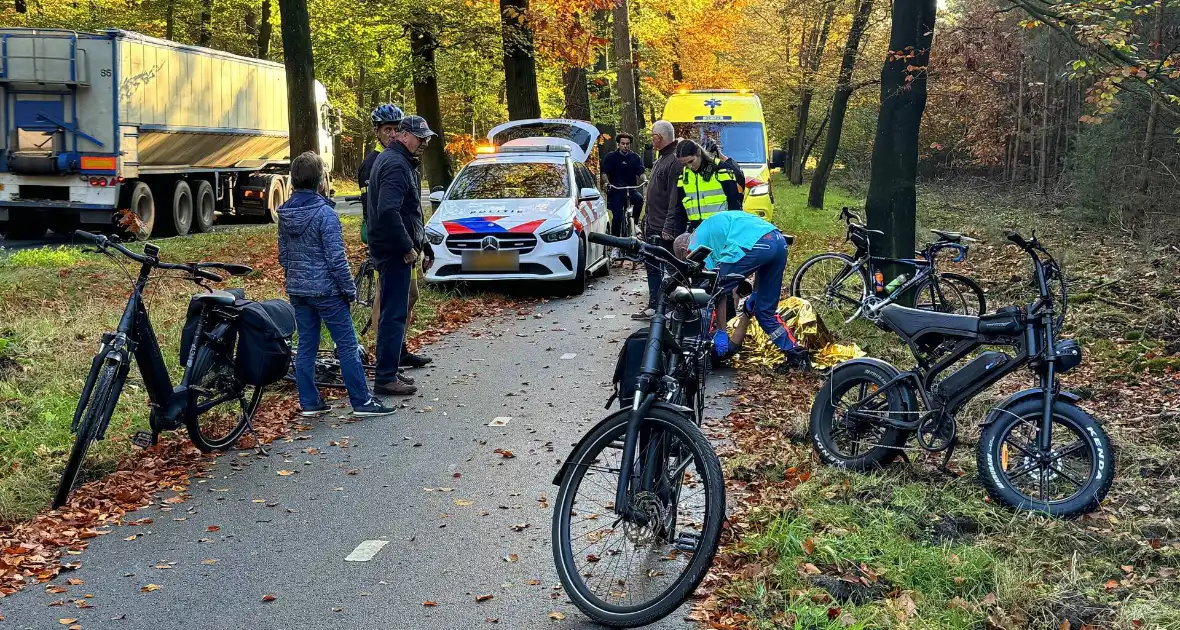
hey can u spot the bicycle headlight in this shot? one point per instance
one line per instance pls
(434, 237)
(760, 189)
(558, 234)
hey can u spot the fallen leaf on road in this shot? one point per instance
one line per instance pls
(163, 566)
(462, 502)
(284, 473)
(505, 454)
(556, 616)
(132, 537)
(492, 619)
(74, 582)
(67, 621)
(483, 598)
(533, 582)
(55, 589)
(209, 561)
(352, 471)
(520, 527)
(313, 451)
(149, 588)
(446, 489)
(268, 598)
(457, 475)
(213, 528)
(430, 603)
(511, 557)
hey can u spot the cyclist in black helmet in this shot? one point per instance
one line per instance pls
(385, 119)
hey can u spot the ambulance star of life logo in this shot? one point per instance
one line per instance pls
(713, 103)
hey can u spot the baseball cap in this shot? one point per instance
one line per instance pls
(415, 125)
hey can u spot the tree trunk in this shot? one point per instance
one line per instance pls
(798, 149)
(639, 123)
(362, 147)
(1153, 113)
(577, 96)
(170, 19)
(891, 205)
(301, 110)
(624, 70)
(423, 43)
(520, 68)
(1019, 123)
(206, 17)
(264, 31)
(1047, 92)
(823, 170)
(814, 139)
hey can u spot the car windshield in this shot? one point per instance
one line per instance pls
(511, 180)
(742, 141)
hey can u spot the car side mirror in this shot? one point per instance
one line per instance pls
(437, 189)
(649, 155)
(589, 194)
(436, 197)
(778, 159)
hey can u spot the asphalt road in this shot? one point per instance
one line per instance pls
(248, 531)
(55, 239)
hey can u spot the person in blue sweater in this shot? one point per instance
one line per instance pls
(320, 287)
(744, 244)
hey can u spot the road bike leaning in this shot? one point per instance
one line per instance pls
(641, 501)
(223, 380)
(1037, 450)
(839, 283)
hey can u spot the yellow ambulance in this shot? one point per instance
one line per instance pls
(734, 119)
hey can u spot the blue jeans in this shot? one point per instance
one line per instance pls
(394, 276)
(333, 312)
(616, 200)
(767, 260)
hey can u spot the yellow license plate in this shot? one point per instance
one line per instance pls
(491, 261)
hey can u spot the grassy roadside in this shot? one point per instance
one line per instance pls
(912, 547)
(54, 305)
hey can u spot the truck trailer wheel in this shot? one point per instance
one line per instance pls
(143, 206)
(204, 205)
(179, 214)
(274, 199)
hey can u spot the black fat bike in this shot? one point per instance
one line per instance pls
(1037, 451)
(851, 287)
(210, 401)
(641, 502)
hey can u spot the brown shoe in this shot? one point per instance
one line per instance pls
(408, 380)
(396, 388)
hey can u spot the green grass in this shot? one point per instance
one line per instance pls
(44, 257)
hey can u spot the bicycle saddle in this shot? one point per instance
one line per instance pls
(913, 322)
(789, 238)
(949, 237)
(217, 298)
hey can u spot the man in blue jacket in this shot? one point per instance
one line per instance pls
(397, 241)
(320, 286)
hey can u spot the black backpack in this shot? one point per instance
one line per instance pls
(264, 341)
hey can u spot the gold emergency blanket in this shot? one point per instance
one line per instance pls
(809, 329)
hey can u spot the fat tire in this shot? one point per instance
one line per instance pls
(823, 414)
(588, 450)
(1101, 451)
(97, 414)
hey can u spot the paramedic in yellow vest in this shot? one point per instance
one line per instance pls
(707, 186)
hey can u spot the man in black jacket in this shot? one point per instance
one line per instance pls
(397, 241)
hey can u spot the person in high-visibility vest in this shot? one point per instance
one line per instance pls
(707, 186)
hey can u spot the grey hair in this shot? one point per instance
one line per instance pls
(664, 129)
(307, 171)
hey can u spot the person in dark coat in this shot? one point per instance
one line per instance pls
(320, 287)
(622, 168)
(397, 242)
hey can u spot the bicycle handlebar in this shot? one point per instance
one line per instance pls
(635, 187)
(1016, 238)
(687, 269)
(351, 198)
(102, 243)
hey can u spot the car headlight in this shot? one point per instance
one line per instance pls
(558, 234)
(760, 189)
(434, 237)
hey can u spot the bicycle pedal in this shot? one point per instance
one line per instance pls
(687, 541)
(143, 439)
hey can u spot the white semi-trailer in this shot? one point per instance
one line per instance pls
(96, 125)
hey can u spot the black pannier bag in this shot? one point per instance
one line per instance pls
(628, 367)
(264, 341)
(193, 319)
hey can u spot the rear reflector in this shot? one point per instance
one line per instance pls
(98, 163)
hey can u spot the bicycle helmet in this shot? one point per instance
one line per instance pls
(387, 114)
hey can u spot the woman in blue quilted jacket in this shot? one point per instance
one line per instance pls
(320, 286)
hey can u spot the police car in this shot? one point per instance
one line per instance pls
(522, 209)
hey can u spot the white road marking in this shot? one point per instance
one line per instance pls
(365, 551)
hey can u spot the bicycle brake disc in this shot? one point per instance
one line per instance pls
(654, 511)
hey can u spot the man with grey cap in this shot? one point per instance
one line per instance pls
(397, 241)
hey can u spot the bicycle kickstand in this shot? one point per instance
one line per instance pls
(946, 459)
(258, 446)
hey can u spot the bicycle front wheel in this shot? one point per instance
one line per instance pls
(94, 419)
(221, 406)
(831, 282)
(623, 573)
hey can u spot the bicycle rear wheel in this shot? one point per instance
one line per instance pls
(366, 297)
(831, 283)
(224, 405)
(96, 416)
(626, 574)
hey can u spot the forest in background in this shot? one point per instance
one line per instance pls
(1073, 101)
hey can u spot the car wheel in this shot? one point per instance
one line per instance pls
(577, 286)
